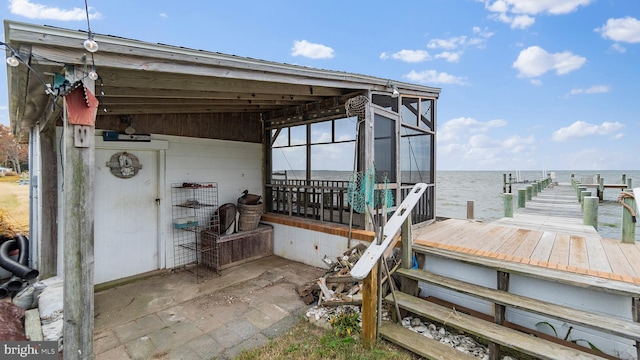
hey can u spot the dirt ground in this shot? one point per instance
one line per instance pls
(14, 204)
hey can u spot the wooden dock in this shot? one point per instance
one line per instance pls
(547, 233)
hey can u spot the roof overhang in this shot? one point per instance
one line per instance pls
(144, 78)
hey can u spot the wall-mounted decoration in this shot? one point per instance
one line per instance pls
(124, 165)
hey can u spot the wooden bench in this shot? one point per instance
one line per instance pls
(605, 323)
(498, 334)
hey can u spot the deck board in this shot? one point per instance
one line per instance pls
(528, 244)
(547, 233)
(543, 250)
(578, 252)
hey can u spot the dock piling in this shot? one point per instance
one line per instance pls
(470, 210)
(529, 192)
(522, 197)
(508, 204)
(628, 221)
(590, 211)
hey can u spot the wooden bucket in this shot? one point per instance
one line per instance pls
(249, 216)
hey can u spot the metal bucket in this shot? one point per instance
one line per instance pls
(249, 216)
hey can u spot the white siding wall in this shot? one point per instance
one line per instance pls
(307, 246)
(235, 166)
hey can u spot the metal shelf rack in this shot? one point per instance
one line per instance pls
(194, 213)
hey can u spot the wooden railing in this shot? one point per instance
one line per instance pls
(327, 200)
(324, 200)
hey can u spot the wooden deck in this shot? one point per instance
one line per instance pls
(547, 233)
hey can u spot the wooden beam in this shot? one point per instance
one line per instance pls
(370, 308)
(78, 212)
(132, 92)
(48, 195)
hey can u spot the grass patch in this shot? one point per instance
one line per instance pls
(310, 342)
(14, 206)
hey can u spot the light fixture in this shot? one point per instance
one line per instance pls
(393, 89)
(394, 92)
(13, 61)
(93, 75)
(90, 45)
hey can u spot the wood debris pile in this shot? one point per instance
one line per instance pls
(337, 286)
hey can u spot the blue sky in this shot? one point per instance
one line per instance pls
(526, 84)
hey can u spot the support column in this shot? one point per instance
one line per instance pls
(78, 215)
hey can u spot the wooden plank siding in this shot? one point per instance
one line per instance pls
(555, 239)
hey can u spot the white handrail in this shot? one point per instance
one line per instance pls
(375, 251)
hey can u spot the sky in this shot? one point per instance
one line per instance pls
(526, 84)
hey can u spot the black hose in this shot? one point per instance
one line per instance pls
(16, 267)
(4, 290)
(13, 284)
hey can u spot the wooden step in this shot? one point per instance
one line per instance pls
(498, 334)
(601, 322)
(419, 344)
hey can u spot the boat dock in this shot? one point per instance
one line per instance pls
(542, 255)
(548, 232)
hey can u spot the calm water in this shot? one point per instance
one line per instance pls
(454, 188)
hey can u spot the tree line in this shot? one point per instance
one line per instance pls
(13, 155)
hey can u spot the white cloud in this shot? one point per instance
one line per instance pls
(164, 15)
(38, 11)
(434, 77)
(473, 144)
(410, 56)
(519, 13)
(625, 29)
(449, 56)
(534, 61)
(581, 129)
(618, 48)
(521, 21)
(311, 50)
(458, 128)
(596, 89)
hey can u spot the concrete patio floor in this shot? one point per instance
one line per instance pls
(171, 316)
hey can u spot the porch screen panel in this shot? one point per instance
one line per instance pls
(384, 148)
(415, 156)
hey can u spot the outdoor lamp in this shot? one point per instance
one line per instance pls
(13, 61)
(394, 92)
(90, 45)
(93, 75)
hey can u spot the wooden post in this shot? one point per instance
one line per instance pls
(628, 226)
(522, 197)
(499, 313)
(629, 183)
(48, 192)
(504, 183)
(590, 211)
(635, 311)
(470, 210)
(583, 195)
(529, 192)
(579, 194)
(508, 204)
(369, 308)
(78, 212)
(407, 286)
(601, 188)
(624, 178)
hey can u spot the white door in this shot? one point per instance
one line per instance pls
(126, 218)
